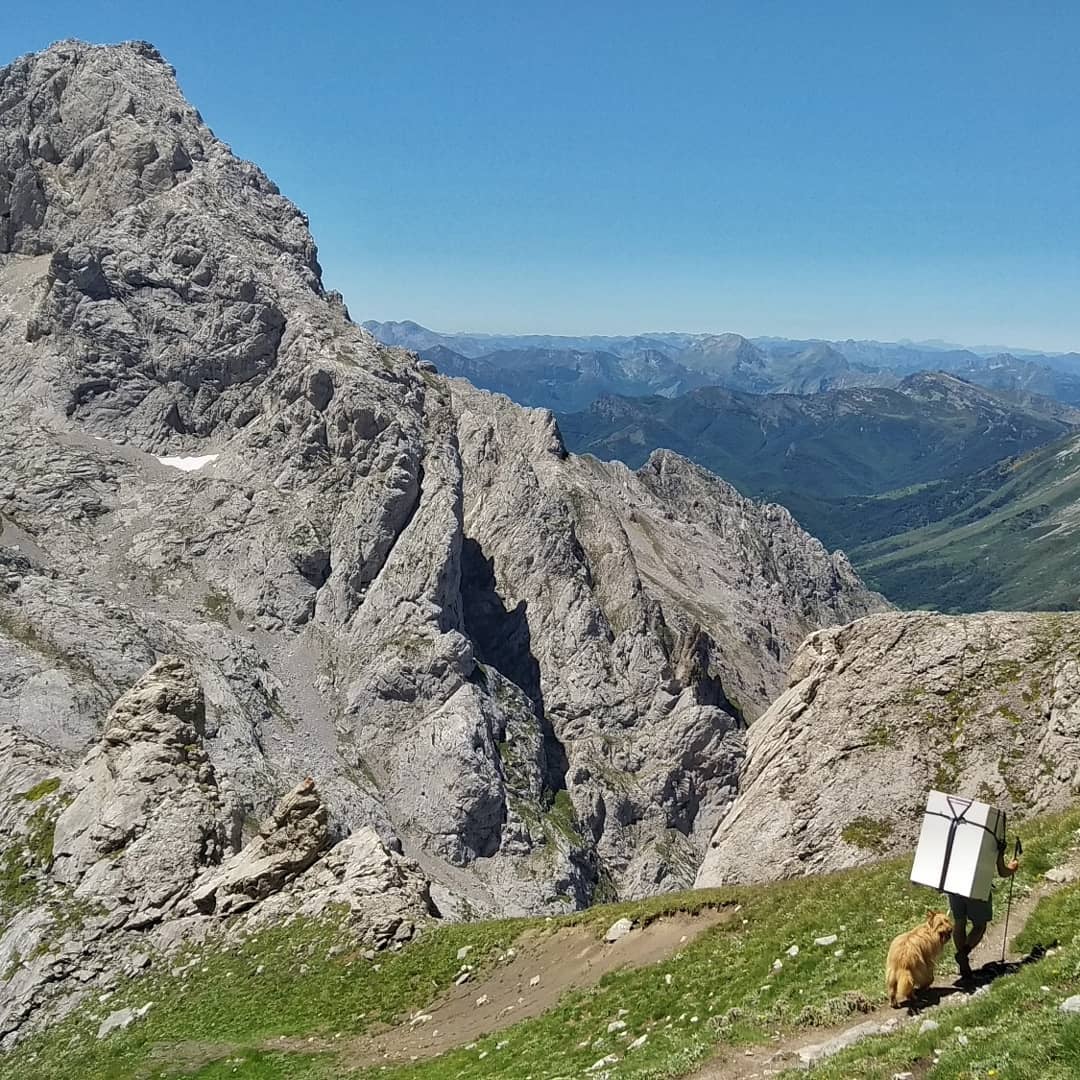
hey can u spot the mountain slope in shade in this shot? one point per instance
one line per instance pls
(1007, 538)
(813, 449)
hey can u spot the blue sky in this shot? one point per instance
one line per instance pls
(795, 169)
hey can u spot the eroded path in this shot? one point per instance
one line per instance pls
(542, 966)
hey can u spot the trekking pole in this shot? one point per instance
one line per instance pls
(1017, 852)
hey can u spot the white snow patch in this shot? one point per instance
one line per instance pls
(188, 464)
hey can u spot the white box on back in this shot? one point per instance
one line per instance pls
(958, 846)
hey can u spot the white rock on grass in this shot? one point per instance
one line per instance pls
(829, 939)
(1062, 875)
(464, 951)
(638, 1043)
(793, 951)
(121, 1019)
(1070, 1004)
(616, 1025)
(810, 1055)
(618, 929)
(928, 1025)
(603, 1063)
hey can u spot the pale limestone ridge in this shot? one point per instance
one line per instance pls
(522, 665)
(879, 712)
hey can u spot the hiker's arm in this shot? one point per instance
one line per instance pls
(1007, 869)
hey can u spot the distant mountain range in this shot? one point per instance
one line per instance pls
(568, 373)
(949, 475)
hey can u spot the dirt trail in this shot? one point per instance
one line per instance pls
(544, 965)
(771, 1059)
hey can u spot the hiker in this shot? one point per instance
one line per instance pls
(979, 912)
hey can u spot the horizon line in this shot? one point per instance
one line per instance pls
(938, 344)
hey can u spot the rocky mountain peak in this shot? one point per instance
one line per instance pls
(243, 544)
(166, 255)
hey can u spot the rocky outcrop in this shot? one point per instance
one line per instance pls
(879, 712)
(387, 897)
(528, 671)
(112, 863)
(145, 815)
(290, 840)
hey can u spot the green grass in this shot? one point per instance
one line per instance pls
(721, 977)
(868, 833)
(725, 978)
(41, 789)
(224, 1003)
(1014, 1032)
(15, 893)
(28, 853)
(218, 606)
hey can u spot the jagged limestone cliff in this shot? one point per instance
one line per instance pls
(881, 711)
(527, 670)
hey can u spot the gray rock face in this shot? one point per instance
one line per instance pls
(146, 815)
(387, 896)
(528, 670)
(288, 843)
(880, 711)
(129, 853)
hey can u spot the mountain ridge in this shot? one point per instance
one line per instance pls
(856, 441)
(528, 671)
(756, 365)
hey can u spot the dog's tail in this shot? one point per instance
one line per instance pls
(901, 987)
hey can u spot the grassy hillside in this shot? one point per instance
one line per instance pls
(1014, 1032)
(1008, 538)
(225, 1018)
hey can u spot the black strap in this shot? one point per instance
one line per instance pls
(954, 824)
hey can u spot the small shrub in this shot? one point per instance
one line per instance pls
(868, 834)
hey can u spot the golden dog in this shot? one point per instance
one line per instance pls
(912, 956)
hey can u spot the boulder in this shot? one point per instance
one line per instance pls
(618, 930)
(289, 842)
